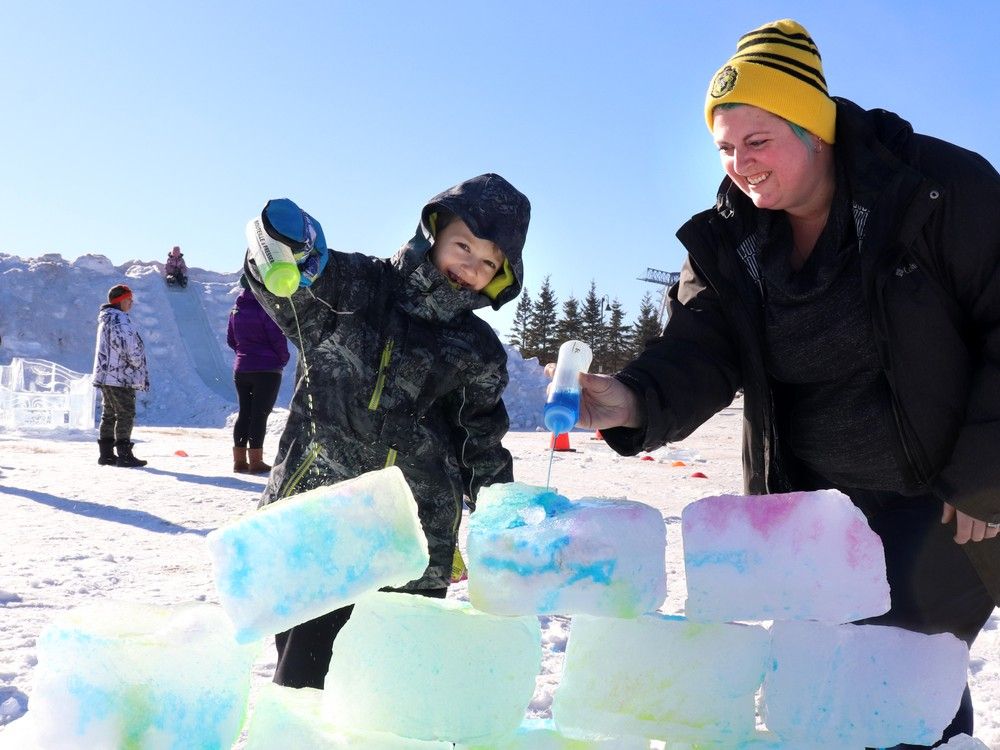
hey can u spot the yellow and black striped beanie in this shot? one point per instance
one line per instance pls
(777, 67)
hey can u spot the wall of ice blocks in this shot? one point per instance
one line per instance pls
(409, 672)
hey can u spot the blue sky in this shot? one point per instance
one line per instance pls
(130, 127)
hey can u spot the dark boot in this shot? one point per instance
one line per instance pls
(108, 457)
(257, 465)
(240, 465)
(125, 457)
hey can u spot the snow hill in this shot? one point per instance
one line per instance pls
(48, 310)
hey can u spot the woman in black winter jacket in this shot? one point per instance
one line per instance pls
(848, 281)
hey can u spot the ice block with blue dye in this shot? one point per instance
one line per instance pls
(533, 551)
(432, 669)
(796, 556)
(123, 675)
(311, 553)
(662, 677)
(862, 685)
(284, 717)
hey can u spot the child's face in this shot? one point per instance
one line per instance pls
(467, 260)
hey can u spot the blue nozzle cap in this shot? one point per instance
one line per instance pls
(558, 419)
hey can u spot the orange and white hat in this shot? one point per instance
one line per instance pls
(118, 293)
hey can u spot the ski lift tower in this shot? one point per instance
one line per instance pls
(666, 279)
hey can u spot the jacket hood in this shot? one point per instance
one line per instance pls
(245, 299)
(494, 210)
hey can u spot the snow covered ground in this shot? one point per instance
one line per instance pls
(74, 532)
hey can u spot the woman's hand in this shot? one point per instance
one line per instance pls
(605, 402)
(967, 528)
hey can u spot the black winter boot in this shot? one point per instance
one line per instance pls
(125, 457)
(108, 457)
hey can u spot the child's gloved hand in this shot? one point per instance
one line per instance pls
(287, 223)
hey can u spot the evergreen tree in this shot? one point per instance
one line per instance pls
(619, 338)
(520, 325)
(542, 328)
(594, 332)
(646, 326)
(570, 325)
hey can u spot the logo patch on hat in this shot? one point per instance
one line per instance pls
(724, 82)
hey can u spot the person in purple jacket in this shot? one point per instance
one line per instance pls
(261, 354)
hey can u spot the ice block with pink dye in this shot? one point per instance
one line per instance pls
(795, 556)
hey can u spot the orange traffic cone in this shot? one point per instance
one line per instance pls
(560, 442)
(597, 435)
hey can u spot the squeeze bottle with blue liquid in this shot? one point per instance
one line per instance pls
(275, 262)
(562, 407)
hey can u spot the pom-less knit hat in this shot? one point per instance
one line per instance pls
(777, 67)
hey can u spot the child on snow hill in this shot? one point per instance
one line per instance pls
(175, 270)
(400, 372)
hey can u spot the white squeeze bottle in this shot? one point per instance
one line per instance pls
(562, 407)
(275, 262)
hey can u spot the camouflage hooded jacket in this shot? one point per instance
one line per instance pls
(396, 369)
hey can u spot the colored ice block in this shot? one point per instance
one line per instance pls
(862, 685)
(797, 556)
(294, 720)
(117, 675)
(432, 669)
(308, 554)
(542, 734)
(964, 742)
(533, 551)
(661, 677)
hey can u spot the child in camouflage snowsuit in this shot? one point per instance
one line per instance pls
(400, 372)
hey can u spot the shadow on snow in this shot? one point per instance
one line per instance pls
(138, 518)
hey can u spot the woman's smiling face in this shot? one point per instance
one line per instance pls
(766, 159)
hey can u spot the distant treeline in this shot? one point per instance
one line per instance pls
(541, 324)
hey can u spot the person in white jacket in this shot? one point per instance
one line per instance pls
(119, 371)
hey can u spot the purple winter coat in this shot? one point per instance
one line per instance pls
(259, 344)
